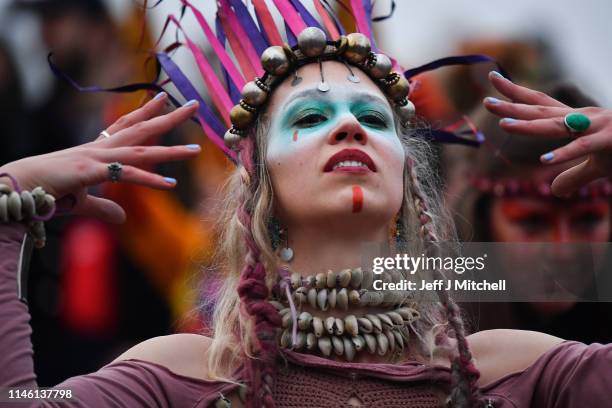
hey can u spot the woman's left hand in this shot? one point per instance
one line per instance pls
(534, 113)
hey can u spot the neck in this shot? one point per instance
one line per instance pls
(318, 248)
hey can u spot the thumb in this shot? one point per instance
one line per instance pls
(101, 208)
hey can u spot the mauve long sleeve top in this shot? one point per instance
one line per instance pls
(571, 374)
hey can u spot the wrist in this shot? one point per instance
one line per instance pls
(31, 208)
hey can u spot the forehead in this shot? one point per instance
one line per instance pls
(336, 75)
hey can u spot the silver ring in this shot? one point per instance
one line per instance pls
(114, 171)
(105, 134)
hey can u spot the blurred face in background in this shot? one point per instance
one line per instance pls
(560, 271)
(539, 219)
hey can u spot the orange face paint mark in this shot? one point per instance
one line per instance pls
(357, 198)
(295, 135)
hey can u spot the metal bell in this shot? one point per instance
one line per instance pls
(312, 41)
(275, 61)
(231, 139)
(382, 67)
(241, 118)
(406, 112)
(254, 95)
(357, 47)
(399, 90)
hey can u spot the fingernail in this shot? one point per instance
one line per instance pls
(193, 146)
(191, 103)
(548, 156)
(491, 100)
(496, 74)
(507, 121)
(159, 96)
(170, 180)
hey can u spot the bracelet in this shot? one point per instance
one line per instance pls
(31, 208)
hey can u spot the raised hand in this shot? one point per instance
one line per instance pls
(534, 113)
(71, 171)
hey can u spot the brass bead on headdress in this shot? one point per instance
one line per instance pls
(313, 46)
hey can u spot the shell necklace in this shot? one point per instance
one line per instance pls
(381, 333)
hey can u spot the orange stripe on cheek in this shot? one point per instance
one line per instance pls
(357, 198)
(295, 136)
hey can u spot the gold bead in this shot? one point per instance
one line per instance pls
(399, 90)
(382, 67)
(341, 44)
(312, 41)
(275, 61)
(357, 47)
(253, 94)
(405, 111)
(241, 118)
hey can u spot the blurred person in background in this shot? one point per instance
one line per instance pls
(501, 193)
(82, 308)
(12, 109)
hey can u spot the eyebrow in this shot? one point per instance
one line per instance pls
(315, 94)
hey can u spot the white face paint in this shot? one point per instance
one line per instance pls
(333, 154)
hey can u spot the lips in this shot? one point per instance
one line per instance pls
(350, 159)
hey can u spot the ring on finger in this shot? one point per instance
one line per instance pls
(105, 134)
(576, 122)
(114, 171)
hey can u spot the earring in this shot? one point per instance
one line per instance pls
(286, 253)
(398, 234)
(274, 230)
(399, 230)
(277, 236)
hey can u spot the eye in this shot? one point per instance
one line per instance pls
(588, 219)
(532, 223)
(309, 120)
(373, 119)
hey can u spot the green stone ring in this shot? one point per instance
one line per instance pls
(576, 122)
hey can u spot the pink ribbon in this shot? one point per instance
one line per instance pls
(217, 47)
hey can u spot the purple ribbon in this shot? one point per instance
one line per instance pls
(334, 17)
(306, 16)
(454, 60)
(291, 40)
(444, 136)
(367, 7)
(234, 92)
(246, 21)
(183, 84)
(119, 89)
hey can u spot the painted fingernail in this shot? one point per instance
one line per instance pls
(507, 121)
(193, 146)
(191, 102)
(548, 156)
(159, 96)
(496, 74)
(170, 180)
(491, 100)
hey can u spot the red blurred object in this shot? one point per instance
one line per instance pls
(88, 286)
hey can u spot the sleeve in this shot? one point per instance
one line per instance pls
(570, 375)
(577, 375)
(130, 383)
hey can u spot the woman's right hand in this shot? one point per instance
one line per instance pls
(72, 171)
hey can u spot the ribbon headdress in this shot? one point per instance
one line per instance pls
(254, 57)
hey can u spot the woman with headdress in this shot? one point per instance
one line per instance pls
(325, 161)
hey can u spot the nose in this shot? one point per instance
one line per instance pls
(348, 130)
